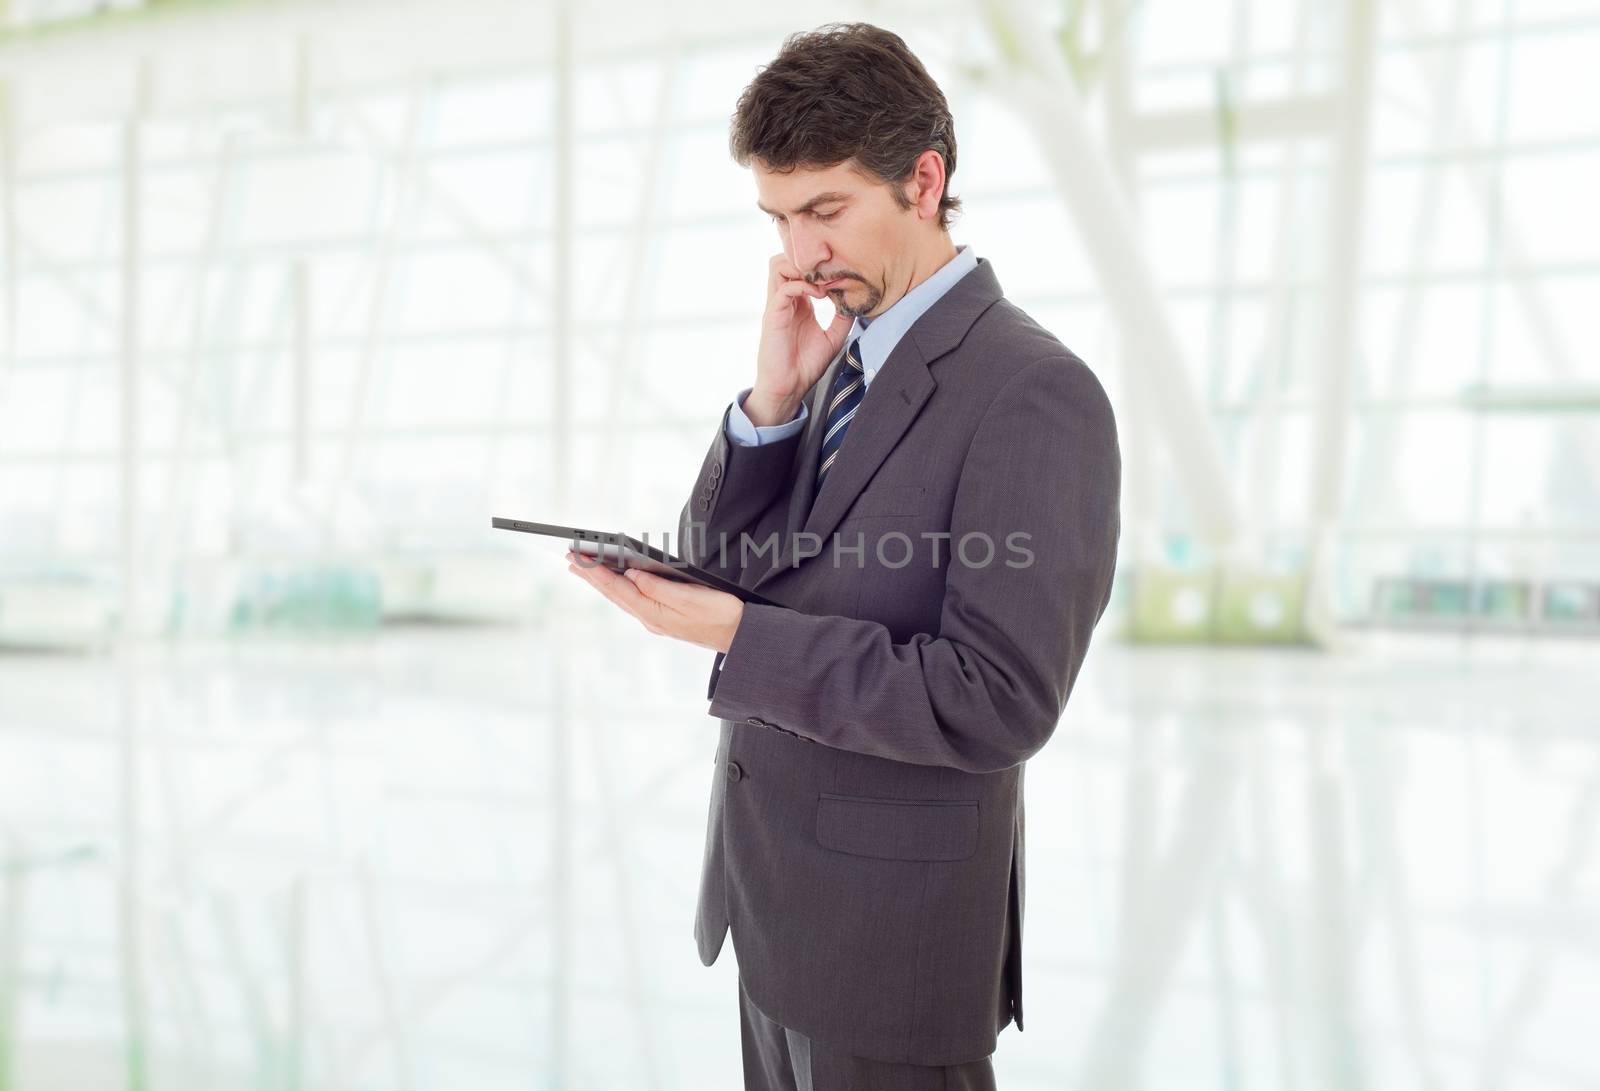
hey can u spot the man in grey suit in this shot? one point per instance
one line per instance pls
(929, 486)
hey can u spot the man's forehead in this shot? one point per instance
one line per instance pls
(803, 188)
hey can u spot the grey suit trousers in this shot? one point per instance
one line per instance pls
(778, 1058)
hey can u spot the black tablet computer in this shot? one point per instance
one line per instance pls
(619, 551)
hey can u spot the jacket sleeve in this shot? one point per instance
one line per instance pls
(987, 690)
(735, 485)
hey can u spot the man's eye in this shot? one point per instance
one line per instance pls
(829, 216)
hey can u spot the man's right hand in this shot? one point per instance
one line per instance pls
(795, 348)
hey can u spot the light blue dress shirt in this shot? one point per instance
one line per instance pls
(878, 338)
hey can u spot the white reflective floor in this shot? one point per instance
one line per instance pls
(451, 858)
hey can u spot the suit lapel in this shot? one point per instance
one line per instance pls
(892, 402)
(890, 405)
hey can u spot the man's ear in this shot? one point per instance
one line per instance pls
(927, 184)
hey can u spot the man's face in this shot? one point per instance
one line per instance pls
(838, 225)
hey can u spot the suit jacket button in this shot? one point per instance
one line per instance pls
(703, 503)
(716, 469)
(756, 721)
(734, 772)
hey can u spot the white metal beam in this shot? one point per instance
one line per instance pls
(131, 628)
(1137, 426)
(1036, 81)
(8, 237)
(1341, 309)
(560, 1066)
(300, 287)
(1284, 119)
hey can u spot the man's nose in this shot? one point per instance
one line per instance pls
(809, 250)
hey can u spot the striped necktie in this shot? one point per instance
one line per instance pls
(849, 386)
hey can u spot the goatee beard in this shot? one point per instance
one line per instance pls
(858, 310)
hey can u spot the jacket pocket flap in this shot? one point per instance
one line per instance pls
(898, 829)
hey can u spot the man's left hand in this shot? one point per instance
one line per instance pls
(687, 611)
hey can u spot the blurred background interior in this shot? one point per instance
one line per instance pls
(310, 779)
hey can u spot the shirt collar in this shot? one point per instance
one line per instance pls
(880, 335)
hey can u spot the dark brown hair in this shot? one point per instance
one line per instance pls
(846, 91)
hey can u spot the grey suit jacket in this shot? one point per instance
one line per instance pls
(865, 836)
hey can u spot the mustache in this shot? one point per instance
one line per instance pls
(837, 276)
